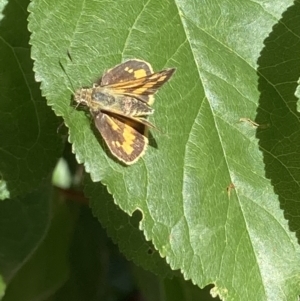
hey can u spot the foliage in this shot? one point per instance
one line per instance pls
(216, 194)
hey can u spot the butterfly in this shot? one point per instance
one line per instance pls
(120, 102)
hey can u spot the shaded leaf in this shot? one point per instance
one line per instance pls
(49, 264)
(29, 145)
(23, 225)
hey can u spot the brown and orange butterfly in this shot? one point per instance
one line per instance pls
(120, 103)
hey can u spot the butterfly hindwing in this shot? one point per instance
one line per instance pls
(125, 142)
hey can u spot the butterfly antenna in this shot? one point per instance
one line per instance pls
(69, 79)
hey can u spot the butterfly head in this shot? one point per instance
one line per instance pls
(83, 96)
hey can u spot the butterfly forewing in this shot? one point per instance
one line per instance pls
(143, 88)
(126, 72)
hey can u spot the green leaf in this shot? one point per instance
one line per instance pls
(23, 225)
(237, 238)
(29, 145)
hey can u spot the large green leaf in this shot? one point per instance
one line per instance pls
(29, 144)
(237, 238)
